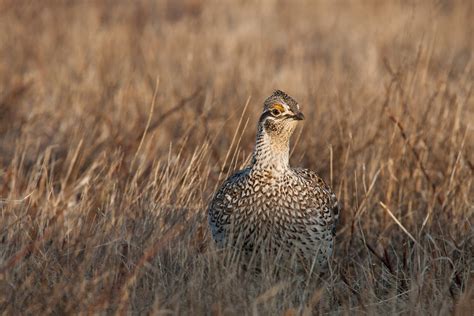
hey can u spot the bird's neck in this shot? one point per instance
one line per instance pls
(271, 153)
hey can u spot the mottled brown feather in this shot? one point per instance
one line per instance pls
(271, 205)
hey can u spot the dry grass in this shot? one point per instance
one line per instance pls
(118, 120)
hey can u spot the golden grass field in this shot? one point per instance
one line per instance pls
(118, 119)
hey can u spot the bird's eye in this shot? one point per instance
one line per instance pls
(276, 112)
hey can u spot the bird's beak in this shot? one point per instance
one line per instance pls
(299, 116)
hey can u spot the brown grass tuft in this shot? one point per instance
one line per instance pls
(105, 173)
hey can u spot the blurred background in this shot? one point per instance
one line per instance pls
(75, 65)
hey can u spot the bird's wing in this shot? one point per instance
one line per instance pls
(325, 204)
(219, 214)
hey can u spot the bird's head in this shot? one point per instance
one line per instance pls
(280, 115)
(279, 118)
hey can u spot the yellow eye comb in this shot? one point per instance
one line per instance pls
(278, 107)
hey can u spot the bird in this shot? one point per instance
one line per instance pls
(272, 207)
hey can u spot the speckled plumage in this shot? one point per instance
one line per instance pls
(269, 204)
